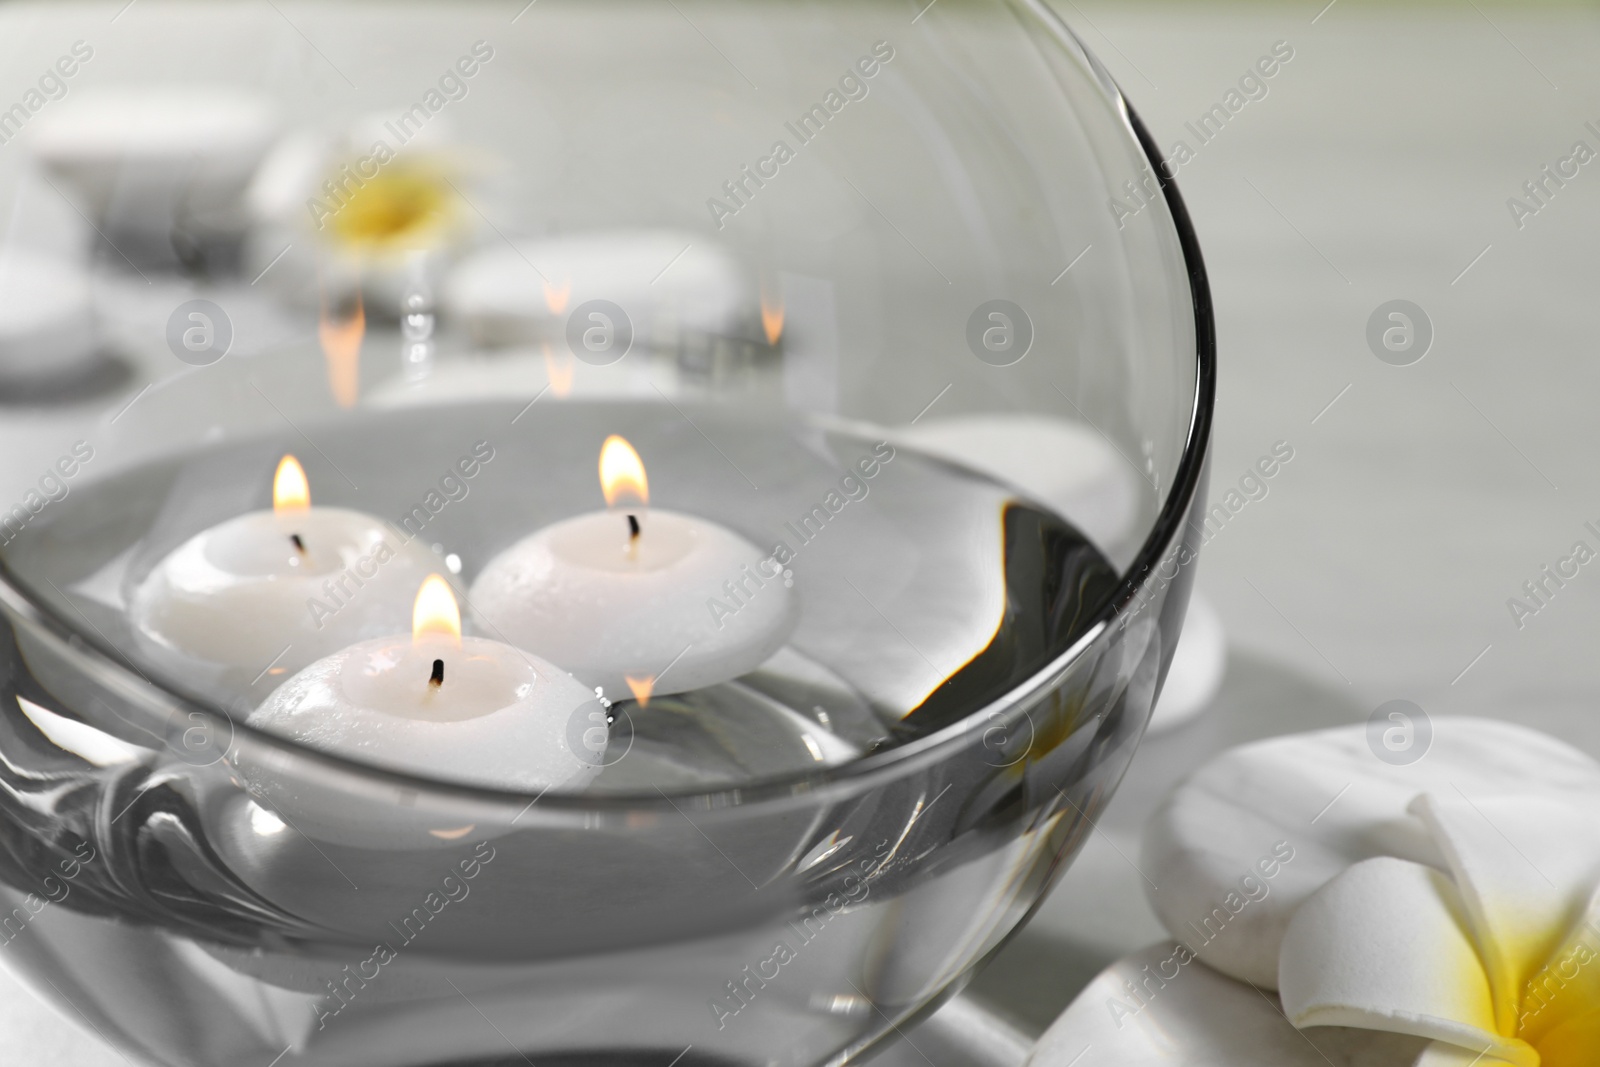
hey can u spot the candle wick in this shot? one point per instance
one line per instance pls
(437, 679)
(298, 544)
(633, 527)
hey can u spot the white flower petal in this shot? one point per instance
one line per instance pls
(1326, 796)
(1199, 1019)
(1526, 868)
(1384, 946)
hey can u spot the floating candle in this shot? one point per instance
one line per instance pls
(638, 601)
(434, 703)
(271, 591)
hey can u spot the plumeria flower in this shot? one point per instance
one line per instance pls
(1336, 902)
(352, 208)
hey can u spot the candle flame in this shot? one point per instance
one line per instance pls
(435, 611)
(556, 296)
(559, 369)
(622, 473)
(341, 345)
(772, 318)
(290, 490)
(642, 688)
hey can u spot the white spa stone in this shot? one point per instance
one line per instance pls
(154, 143)
(662, 279)
(47, 317)
(1063, 464)
(1070, 468)
(1198, 664)
(526, 372)
(1150, 1010)
(1455, 923)
(1326, 796)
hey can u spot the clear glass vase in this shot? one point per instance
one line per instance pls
(898, 294)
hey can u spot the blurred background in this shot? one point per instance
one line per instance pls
(1431, 476)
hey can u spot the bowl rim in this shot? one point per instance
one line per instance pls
(812, 786)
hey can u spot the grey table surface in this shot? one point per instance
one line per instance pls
(1419, 499)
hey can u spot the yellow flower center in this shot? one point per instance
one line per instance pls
(406, 205)
(1560, 1014)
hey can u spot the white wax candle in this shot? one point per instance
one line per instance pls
(430, 703)
(672, 604)
(271, 591)
(578, 594)
(499, 717)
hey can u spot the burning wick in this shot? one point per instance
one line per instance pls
(299, 545)
(435, 616)
(622, 479)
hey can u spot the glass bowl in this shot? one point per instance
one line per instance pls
(898, 293)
